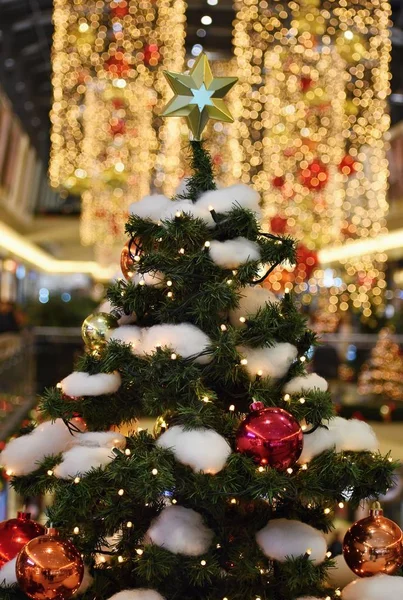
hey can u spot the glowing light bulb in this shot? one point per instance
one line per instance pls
(77, 480)
(232, 407)
(154, 471)
(244, 361)
(203, 563)
(50, 473)
(223, 327)
(121, 492)
(242, 319)
(207, 244)
(76, 530)
(169, 283)
(173, 356)
(139, 551)
(129, 524)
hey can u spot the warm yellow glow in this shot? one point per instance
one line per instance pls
(380, 244)
(312, 118)
(107, 143)
(16, 244)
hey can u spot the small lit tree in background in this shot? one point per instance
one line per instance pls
(382, 375)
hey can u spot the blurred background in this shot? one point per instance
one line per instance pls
(318, 131)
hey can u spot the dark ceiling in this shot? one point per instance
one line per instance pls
(25, 43)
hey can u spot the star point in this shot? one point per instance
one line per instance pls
(198, 96)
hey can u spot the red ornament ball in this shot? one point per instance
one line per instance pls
(278, 224)
(373, 545)
(348, 165)
(49, 568)
(271, 436)
(315, 176)
(15, 533)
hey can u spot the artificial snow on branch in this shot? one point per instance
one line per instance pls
(340, 575)
(151, 278)
(79, 384)
(100, 439)
(86, 582)
(283, 538)
(7, 573)
(185, 339)
(302, 384)
(252, 298)
(225, 199)
(139, 594)
(268, 362)
(128, 334)
(232, 253)
(23, 455)
(181, 531)
(79, 460)
(202, 449)
(378, 587)
(187, 207)
(106, 307)
(150, 207)
(342, 435)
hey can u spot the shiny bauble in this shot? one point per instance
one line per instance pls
(373, 545)
(49, 568)
(162, 423)
(96, 328)
(15, 533)
(128, 264)
(271, 436)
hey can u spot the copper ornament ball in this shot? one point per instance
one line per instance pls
(128, 263)
(49, 568)
(373, 545)
(271, 436)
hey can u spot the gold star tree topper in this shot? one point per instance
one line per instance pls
(199, 96)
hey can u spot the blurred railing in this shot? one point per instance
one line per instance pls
(17, 380)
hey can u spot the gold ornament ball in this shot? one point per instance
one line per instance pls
(373, 545)
(95, 329)
(161, 424)
(49, 568)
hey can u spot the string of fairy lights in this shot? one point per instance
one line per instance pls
(312, 116)
(107, 77)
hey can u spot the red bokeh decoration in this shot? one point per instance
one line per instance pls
(278, 224)
(305, 83)
(117, 126)
(15, 533)
(271, 436)
(315, 176)
(278, 181)
(119, 9)
(348, 165)
(117, 64)
(151, 54)
(307, 257)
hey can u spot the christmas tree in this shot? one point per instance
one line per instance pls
(381, 376)
(231, 496)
